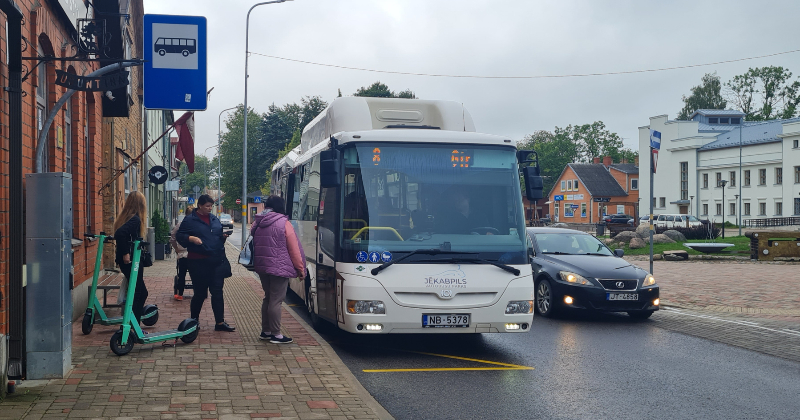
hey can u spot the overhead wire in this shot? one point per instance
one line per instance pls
(460, 76)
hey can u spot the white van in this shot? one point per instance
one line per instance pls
(677, 220)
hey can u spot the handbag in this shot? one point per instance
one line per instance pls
(146, 259)
(224, 268)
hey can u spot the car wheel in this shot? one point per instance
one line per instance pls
(640, 314)
(545, 299)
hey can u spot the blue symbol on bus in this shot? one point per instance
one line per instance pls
(386, 256)
(362, 256)
(374, 257)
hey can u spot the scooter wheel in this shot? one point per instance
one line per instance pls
(150, 321)
(86, 325)
(118, 347)
(187, 324)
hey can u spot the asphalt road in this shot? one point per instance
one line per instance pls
(584, 366)
(236, 238)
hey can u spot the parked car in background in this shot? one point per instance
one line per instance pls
(226, 220)
(573, 269)
(617, 218)
(671, 221)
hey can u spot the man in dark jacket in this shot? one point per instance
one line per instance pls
(201, 234)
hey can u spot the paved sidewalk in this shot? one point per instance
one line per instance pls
(219, 376)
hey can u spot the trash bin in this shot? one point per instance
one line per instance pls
(600, 229)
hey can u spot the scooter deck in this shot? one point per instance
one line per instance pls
(165, 335)
(114, 320)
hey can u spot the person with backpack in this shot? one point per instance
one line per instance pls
(278, 256)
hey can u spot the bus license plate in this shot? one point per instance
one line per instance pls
(622, 296)
(445, 320)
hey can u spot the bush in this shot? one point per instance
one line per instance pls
(705, 231)
(161, 226)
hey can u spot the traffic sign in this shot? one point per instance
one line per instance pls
(655, 139)
(257, 199)
(175, 68)
(196, 189)
(575, 206)
(190, 200)
(158, 175)
(558, 198)
(238, 201)
(601, 199)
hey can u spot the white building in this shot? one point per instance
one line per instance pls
(696, 155)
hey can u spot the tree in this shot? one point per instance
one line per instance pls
(705, 96)
(555, 152)
(201, 176)
(231, 154)
(764, 93)
(380, 90)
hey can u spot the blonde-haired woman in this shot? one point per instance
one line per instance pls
(129, 226)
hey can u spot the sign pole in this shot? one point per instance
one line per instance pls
(652, 227)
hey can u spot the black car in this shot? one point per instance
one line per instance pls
(617, 218)
(572, 269)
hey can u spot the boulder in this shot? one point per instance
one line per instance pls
(625, 236)
(643, 231)
(676, 255)
(610, 241)
(675, 235)
(637, 243)
(661, 239)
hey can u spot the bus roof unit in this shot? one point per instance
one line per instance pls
(362, 114)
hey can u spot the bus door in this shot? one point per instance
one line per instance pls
(328, 286)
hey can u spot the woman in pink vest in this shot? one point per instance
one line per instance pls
(278, 256)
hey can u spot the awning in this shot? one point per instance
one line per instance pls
(681, 202)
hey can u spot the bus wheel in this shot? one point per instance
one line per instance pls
(185, 53)
(162, 52)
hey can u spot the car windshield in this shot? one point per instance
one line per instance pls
(225, 217)
(401, 198)
(570, 243)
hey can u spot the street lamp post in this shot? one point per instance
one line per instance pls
(722, 184)
(691, 200)
(219, 152)
(244, 141)
(741, 125)
(206, 172)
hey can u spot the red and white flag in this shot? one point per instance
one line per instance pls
(185, 128)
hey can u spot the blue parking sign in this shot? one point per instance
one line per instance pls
(175, 69)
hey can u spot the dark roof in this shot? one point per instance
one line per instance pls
(715, 112)
(597, 180)
(627, 168)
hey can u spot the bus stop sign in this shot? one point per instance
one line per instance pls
(175, 68)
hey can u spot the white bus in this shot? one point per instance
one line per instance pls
(411, 221)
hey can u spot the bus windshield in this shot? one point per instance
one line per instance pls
(404, 197)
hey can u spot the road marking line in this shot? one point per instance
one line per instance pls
(745, 323)
(503, 366)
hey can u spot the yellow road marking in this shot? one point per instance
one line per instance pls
(505, 366)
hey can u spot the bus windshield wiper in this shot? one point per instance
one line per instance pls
(432, 251)
(508, 268)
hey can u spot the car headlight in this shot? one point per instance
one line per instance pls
(649, 280)
(574, 278)
(366, 307)
(519, 307)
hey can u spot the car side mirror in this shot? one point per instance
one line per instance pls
(619, 252)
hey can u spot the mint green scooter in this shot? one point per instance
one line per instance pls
(94, 312)
(130, 333)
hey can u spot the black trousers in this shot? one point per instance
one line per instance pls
(205, 279)
(140, 294)
(180, 279)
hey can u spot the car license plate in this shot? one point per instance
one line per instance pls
(445, 320)
(622, 296)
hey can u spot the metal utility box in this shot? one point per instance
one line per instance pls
(48, 322)
(774, 246)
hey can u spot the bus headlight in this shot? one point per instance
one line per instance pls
(519, 307)
(366, 307)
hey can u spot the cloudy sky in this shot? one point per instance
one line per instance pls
(490, 38)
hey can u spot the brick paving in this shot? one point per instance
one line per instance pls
(219, 376)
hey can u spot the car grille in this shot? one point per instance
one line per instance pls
(613, 285)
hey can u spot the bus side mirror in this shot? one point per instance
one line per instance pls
(330, 162)
(534, 185)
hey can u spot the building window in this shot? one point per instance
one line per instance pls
(41, 108)
(583, 209)
(732, 209)
(575, 185)
(736, 120)
(746, 209)
(719, 209)
(705, 181)
(762, 209)
(796, 144)
(654, 203)
(556, 207)
(724, 120)
(634, 184)
(732, 179)
(569, 185)
(778, 176)
(663, 202)
(620, 209)
(713, 120)
(705, 209)
(797, 174)
(778, 208)
(684, 180)
(719, 180)
(747, 178)
(762, 177)
(68, 137)
(797, 206)
(563, 185)
(127, 176)
(568, 210)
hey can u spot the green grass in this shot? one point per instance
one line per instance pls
(741, 246)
